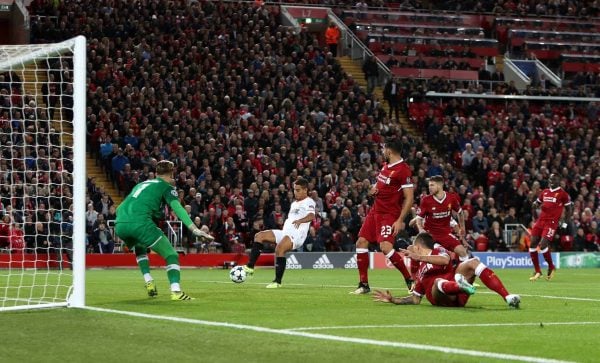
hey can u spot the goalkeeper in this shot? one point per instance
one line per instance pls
(135, 226)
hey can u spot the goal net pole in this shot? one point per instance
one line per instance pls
(40, 286)
(77, 298)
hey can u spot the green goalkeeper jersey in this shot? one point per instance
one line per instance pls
(146, 201)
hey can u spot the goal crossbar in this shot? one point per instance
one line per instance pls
(15, 55)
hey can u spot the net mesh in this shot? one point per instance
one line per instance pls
(36, 174)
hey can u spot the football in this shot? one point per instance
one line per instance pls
(237, 274)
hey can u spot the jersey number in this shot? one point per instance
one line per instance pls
(386, 231)
(550, 233)
(140, 189)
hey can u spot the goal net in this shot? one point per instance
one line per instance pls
(42, 175)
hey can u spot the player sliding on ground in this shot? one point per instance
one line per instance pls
(135, 226)
(440, 282)
(292, 236)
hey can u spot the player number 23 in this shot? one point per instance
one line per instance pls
(386, 231)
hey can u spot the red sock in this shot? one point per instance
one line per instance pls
(548, 258)
(535, 259)
(414, 269)
(362, 260)
(398, 262)
(489, 279)
(450, 288)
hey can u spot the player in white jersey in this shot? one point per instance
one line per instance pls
(292, 236)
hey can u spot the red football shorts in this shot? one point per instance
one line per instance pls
(447, 240)
(378, 228)
(544, 229)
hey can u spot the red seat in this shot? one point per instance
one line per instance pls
(566, 243)
(481, 243)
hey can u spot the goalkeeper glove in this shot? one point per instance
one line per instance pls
(200, 233)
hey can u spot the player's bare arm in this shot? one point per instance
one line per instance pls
(386, 296)
(406, 205)
(434, 260)
(373, 191)
(420, 224)
(461, 224)
(181, 213)
(308, 218)
(534, 206)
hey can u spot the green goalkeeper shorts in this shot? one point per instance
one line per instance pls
(144, 234)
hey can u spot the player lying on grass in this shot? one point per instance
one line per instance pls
(292, 236)
(441, 282)
(135, 226)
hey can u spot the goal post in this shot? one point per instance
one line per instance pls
(42, 175)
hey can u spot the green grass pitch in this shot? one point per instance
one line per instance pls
(311, 302)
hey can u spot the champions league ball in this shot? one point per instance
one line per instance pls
(237, 274)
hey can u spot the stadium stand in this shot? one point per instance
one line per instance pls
(243, 104)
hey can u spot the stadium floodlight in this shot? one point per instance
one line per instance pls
(42, 174)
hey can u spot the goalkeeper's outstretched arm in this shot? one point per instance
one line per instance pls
(181, 213)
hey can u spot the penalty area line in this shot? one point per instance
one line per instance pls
(381, 343)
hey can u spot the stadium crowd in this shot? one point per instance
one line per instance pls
(242, 105)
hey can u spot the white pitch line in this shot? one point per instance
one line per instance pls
(383, 343)
(419, 326)
(397, 287)
(562, 297)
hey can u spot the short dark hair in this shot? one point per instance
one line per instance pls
(302, 182)
(395, 144)
(437, 179)
(425, 239)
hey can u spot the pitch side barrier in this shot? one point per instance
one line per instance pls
(297, 260)
(495, 260)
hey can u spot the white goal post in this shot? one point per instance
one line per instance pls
(42, 175)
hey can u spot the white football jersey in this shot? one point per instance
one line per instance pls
(299, 210)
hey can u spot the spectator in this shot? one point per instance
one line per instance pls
(496, 238)
(371, 71)
(467, 156)
(480, 223)
(580, 242)
(332, 37)
(103, 239)
(91, 216)
(324, 237)
(391, 93)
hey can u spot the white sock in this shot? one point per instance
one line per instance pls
(148, 278)
(463, 258)
(175, 287)
(479, 269)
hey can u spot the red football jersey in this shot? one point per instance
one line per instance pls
(428, 273)
(438, 213)
(553, 202)
(391, 180)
